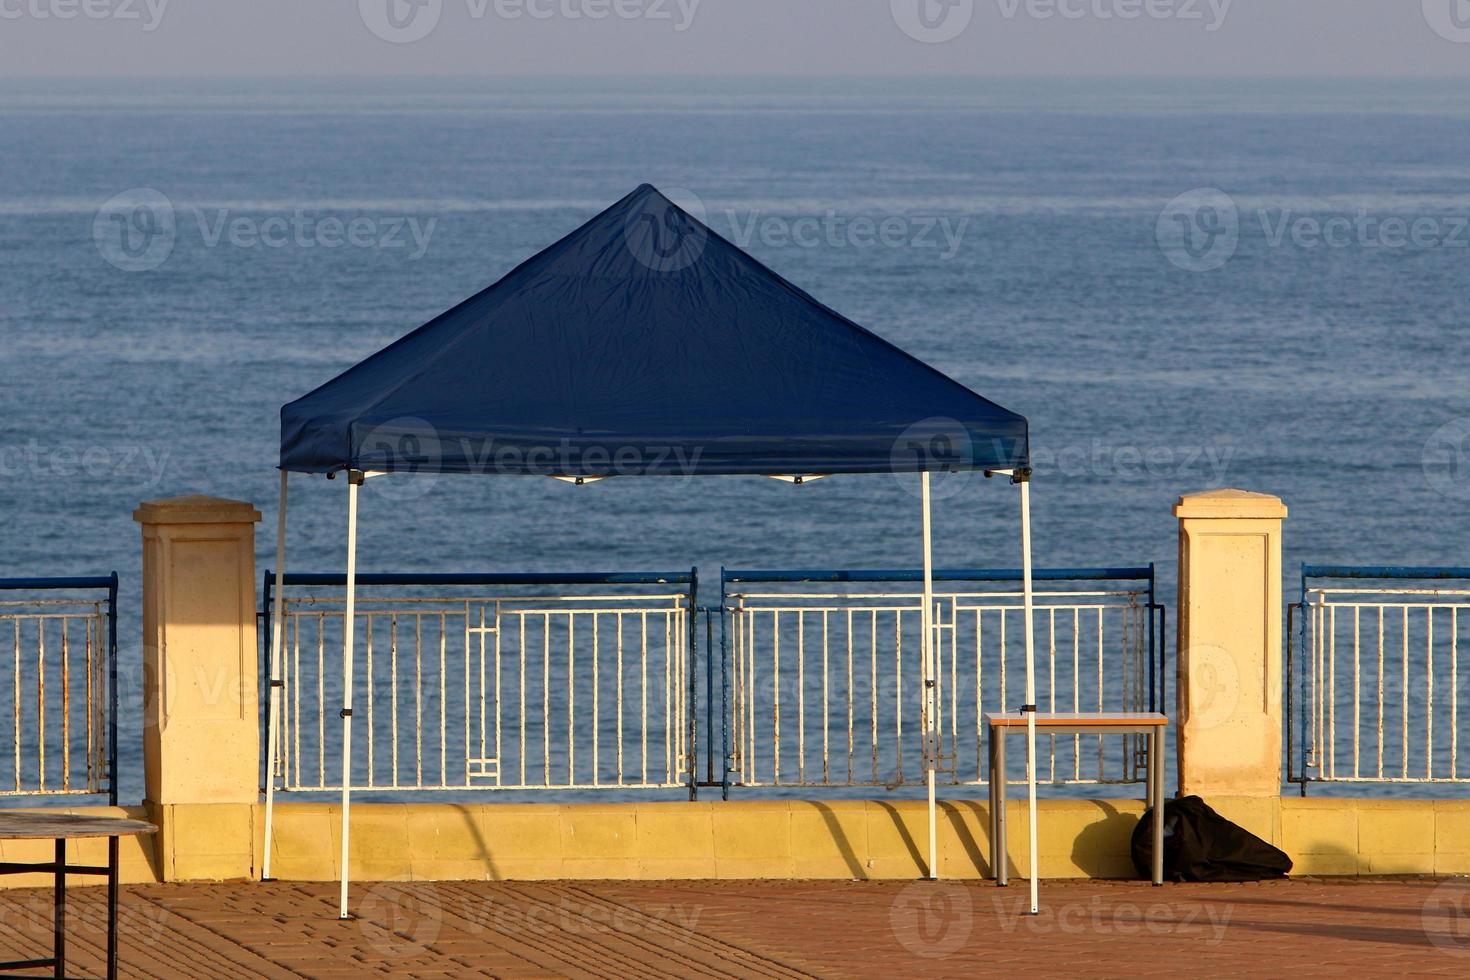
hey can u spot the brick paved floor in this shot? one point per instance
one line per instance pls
(769, 929)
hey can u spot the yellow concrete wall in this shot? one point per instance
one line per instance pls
(835, 839)
(841, 839)
(201, 733)
(681, 840)
(1229, 720)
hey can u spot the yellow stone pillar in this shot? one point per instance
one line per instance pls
(201, 738)
(1229, 657)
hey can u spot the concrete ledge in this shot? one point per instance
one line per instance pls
(837, 839)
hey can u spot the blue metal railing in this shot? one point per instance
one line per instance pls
(709, 685)
(1320, 748)
(1154, 615)
(501, 589)
(83, 583)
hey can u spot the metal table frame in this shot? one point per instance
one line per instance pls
(56, 962)
(1152, 724)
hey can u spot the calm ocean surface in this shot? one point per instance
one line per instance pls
(1015, 248)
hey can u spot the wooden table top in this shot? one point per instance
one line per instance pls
(44, 825)
(1077, 719)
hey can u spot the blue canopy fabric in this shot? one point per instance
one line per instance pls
(645, 344)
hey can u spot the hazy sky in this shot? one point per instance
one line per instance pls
(681, 37)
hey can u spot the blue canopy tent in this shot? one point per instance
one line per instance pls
(643, 344)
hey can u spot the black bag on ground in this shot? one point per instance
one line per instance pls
(1201, 845)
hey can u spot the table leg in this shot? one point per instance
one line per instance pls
(1002, 866)
(1156, 782)
(58, 938)
(112, 908)
(990, 787)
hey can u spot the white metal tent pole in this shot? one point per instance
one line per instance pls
(349, 628)
(1025, 480)
(931, 739)
(274, 694)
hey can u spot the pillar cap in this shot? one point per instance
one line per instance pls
(196, 509)
(1230, 504)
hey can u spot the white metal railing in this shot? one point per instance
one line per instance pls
(56, 669)
(1379, 684)
(499, 692)
(827, 685)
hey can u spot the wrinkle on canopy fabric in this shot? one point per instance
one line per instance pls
(645, 344)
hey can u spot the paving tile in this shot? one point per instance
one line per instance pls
(1306, 927)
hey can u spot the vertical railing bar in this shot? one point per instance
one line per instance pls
(826, 776)
(418, 700)
(979, 694)
(1051, 687)
(668, 679)
(41, 701)
(468, 654)
(443, 700)
(752, 760)
(321, 699)
(393, 704)
(596, 703)
(571, 699)
(499, 697)
(17, 702)
(546, 699)
(1314, 755)
(1330, 757)
(1454, 692)
(294, 619)
(102, 711)
(732, 701)
(801, 697)
(873, 684)
(954, 684)
(1101, 759)
(88, 624)
(521, 636)
(620, 698)
(1380, 692)
(1357, 686)
(643, 688)
(483, 734)
(1001, 639)
(371, 684)
(776, 701)
(898, 689)
(850, 698)
(1429, 692)
(1077, 688)
(1404, 695)
(65, 703)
